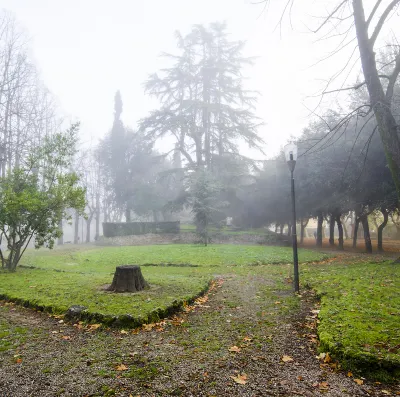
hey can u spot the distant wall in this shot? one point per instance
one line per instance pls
(139, 228)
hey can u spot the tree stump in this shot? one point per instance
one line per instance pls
(128, 278)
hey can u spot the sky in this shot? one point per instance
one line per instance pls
(86, 50)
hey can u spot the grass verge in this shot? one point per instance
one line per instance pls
(360, 315)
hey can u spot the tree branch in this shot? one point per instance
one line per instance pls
(392, 79)
(381, 21)
(326, 20)
(357, 86)
(376, 6)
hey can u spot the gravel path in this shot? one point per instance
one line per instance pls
(242, 339)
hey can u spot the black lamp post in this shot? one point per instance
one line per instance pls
(291, 157)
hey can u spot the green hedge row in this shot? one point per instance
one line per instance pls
(139, 228)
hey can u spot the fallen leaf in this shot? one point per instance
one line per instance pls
(387, 392)
(277, 303)
(121, 367)
(234, 349)
(66, 337)
(93, 327)
(323, 385)
(350, 374)
(359, 381)
(18, 360)
(327, 358)
(287, 359)
(247, 339)
(124, 332)
(241, 379)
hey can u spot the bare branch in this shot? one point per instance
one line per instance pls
(355, 87)
(328, 18)
(381, 21)
(376, 6)
(392, 79)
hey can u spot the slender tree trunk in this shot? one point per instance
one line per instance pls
(380, 102)
(289, 231)
(76, 228)
(276, 228)
(303, 224)
(385, 214)
(88, 223)
(367, 237)
(346, 233)
(128, 214)
(61, 238)
(97, 235)
(281, 229)
(355, 231)
(340, 229)
(332, 230)
(320, 222)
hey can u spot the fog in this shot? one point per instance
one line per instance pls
(197, 135)
(87, 50)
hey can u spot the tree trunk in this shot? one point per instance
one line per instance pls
(128, 214)
(88, 223)
(289, 231)
(281, 229)
(276, 228)
(320, 222)
(385, 214)
(97, 235)
(332, 230)
(346, 233)
(61, 238)
(76, 228)
(380, 102)
(128, 278)
(303, 228)
(340, 229)
(355, 230)
(367, 237)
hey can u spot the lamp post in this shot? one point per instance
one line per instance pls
(291, 157)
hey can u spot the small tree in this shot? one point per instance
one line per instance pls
(204, 200)
(34, 197)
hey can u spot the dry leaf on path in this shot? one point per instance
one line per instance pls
(286, 359)
(121, 367)
(241, 379)
(93, 327)
(234, 349)
(359, 381)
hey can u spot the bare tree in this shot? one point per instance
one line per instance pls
(350, 21)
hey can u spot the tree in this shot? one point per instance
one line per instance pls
(34, 197)
(348, 17)
(204, 106)
(203, 200)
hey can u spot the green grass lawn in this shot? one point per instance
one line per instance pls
(360, 300)
(360, 312)
(82, 274)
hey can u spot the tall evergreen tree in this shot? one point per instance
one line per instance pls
(204, 106)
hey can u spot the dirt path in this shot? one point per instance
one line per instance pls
(231, 344)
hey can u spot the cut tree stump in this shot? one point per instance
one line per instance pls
(128, 278)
